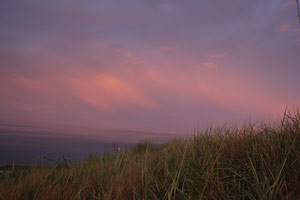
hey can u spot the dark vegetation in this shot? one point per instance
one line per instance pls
(229, 162)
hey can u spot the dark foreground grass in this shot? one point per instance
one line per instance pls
(229, 162)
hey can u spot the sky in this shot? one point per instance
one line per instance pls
(164, 66)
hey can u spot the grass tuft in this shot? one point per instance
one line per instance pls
(226, 162)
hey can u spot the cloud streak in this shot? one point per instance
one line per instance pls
(147, 65)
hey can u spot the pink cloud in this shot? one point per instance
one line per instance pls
(226, 90)
(28, 83)
(106, 91)
(284, 28)
(116, 93)
(240, 95)
(20, 92)
(288, 3)
(209, 65)
(296, 33)
(132, 58)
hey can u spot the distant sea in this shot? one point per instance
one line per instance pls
(25, 144)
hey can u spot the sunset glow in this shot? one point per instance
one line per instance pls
(162, 66)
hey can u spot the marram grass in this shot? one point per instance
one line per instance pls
(229, 162)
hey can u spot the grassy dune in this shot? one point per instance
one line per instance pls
(229, 162)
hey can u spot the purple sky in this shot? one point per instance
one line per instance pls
(148, 65)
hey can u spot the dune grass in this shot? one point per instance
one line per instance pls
(228, 162)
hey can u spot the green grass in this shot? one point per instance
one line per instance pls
(228, 162)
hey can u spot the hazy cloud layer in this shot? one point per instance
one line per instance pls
(147, 65)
